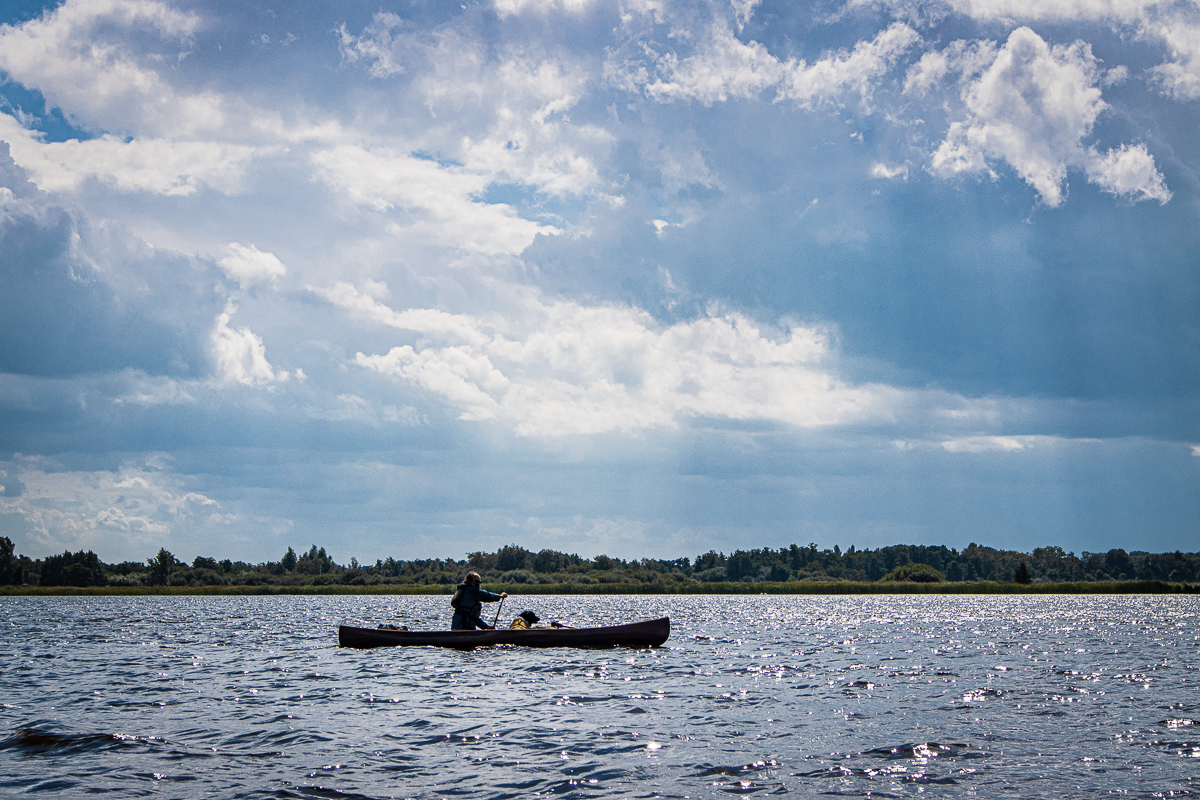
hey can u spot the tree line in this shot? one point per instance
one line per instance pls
(514, 565)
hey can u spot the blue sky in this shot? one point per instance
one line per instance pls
(641, 278)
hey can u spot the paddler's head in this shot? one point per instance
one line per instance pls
(473, 579)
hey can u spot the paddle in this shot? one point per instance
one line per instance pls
(497, 619)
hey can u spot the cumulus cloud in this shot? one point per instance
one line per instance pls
(1180, 77)
(987, 444)
(514, 114)
(442, 198)
(240, 355)
(80, 57)
(980, 443)
(1055, 10)
(855, 71)
(968, 59)
(248, 265)
(507, 8)
(1033, 107)
(885, 172)
(101, 63)
(510, 105)
(157, 166)
(1174, 25)
(77, 300)
(136, 504)
(150, 390)
(375, 46)
(1130, 171)
(456, 327)
(723, 67)
(566, 368)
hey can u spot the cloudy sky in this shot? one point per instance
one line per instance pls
(636, 277)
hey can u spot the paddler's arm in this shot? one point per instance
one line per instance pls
(489, 597)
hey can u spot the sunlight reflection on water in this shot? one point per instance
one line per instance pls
(886, 696)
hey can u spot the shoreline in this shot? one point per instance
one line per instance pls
(787, 588)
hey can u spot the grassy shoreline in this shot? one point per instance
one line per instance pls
(792, 587)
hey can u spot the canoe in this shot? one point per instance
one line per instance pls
(650, 633)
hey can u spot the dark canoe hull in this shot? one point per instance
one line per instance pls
(650, 633)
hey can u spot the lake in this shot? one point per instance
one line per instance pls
(857, 696)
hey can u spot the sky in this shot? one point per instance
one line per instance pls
(635, 277)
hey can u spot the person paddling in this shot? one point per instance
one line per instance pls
(468, 602)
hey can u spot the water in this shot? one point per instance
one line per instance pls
(851, 696)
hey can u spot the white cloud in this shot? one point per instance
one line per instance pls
(566, 368)
(509, 105)
(743, 10)
(881, 170)
(240, 355)
(1179, 78)
(1196, 450)
(1174, 24)
(1028, 10)
(155, 391)
(79, 56)
(987, 444)
(927, 73)
(248, 265)
(512, 113)
(137, 504)
(443, 198)
(353, 408)
(968, 59)
(531, 140)
(844, 72)
(458, 327)
(1128, 171)
(375, 46)
(157, 166)
(723, 68)
(1033, 107)
(1003, 444)
(507, 8)
(1056, 10)
(681, 167)
(1116, 76)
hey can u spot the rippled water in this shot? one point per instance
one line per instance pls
(854, 696)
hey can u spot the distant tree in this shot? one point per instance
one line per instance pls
(778, 573)
(914, 573)
(160, 567)
(512, 557)
(1021, 574)
(73, 569)
(8, 562)
(1119, 565)
(550, 561)
(739, 566)
(289, 560)
(200, 562)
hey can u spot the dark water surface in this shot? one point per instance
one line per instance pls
(853, 696)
